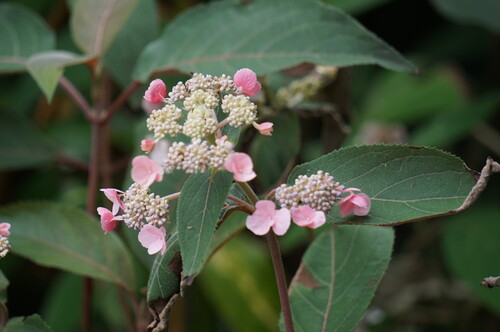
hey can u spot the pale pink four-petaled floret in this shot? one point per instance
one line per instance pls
(154, 239)
(156, 92)
(240, 164)
(305, 216)
(145, 171)
(246, 80)
(266, 217)
(114, 196)
(4, 229)
(359, 204)
(265, 128)
(108, 219)
(147, 145)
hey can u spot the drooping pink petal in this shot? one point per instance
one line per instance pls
(266, 217)
(241, 165)
(145, 171)
(147, 145)
(246, 80)
(154, 239)
(114, 196)
(305, 216)
(108, 219)
(4, 229)
(156, 91)
(281, 221)
(359, 204)
(265, 128)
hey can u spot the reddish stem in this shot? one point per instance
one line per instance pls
(77, 98)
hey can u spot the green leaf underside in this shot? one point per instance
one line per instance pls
(338, 277)
(404, 183)
(21, 145)
(471, 250)
(484, 13)
(22, 34)
(95, 23)
(163, 281)
(200, 203)
(265, 36)
(47, 68)
(63, 237)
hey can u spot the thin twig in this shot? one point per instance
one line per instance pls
(247, 206)
(77, 98)
(119, 101)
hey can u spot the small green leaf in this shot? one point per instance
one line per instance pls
(66, 238)
(272, 154)
(404, 183)
(47, 68)
(95, 23)
(471, 249)
(264, 35)
(33, 323)
(23, 33)
(338, 277)
(200, 203)
(484, 13)
(22, 145)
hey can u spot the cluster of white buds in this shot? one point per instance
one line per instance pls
(165, 121)
(241, 110)
(199, 155)
(143, 207)
(4, 239)
(318, 191)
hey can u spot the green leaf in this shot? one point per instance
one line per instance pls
(47, 68)
(4, 283)
(22, 145)
(264, 35)
(338, 277)
(95, 23)
(23, 33)
(141, 28)
(404, 183)
(471, 249)
(272, 154)
(354, 7)
(438, 132)
(66, 238)
(484, 13)
(33, 323)
(239, 283)
(200, 203)
(165, 277)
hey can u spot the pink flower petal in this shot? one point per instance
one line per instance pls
(281, 221)
(246, 80)
(318, 220)
(155, 92)
(241, 165)
(147, 145)
(265, 128)
(108, 220)
(145, 171)
(114, 196)
(359, 204)
(153, 239)
(265, 208)
(259, 225)
(305, 216)
(4, 229)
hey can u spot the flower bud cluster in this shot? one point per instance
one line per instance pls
(165, 121)
(241, 110)
(143, 207)
(198, 156)
(318, 191)
(4, 239)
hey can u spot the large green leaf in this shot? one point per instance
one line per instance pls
(338, 277)
(22, 34)
(64, 237)
(266, 36)
(356, 6)
(22, 145)
(141, 28)
(95, 23)
(484, 13)
(404, 183)
(272, 155)
(47, 68)
(200, 203)
(471, 249)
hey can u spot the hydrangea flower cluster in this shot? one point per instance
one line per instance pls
(306, 203)
(4, 239)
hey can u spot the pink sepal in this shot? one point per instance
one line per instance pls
(266, 217)
(4, 229)
(265, 128)
(145, 171)
(359, 204)
(108, 219)
(241, 165)
(305, 216)
(114, 196)
(156, 91)
(147, 145)
(154, 239)
(246, 80)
